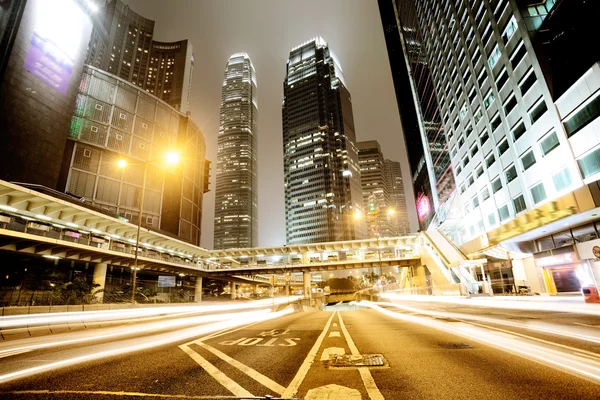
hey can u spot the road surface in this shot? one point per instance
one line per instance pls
(417, 351)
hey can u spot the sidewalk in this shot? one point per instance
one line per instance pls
(570, 304)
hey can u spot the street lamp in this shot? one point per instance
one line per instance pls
(170, 158)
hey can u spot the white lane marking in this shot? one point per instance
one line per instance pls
(292, 389)
(257, 376)
(339, 351)
(14, 352)
(107, 393)
(333, 392)
(334, 334)
(365, 374)
(219, 376)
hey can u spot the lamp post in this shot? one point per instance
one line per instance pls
(171, 158)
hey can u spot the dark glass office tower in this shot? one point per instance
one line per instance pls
(427, 148)
(323, 197)
(236, 197)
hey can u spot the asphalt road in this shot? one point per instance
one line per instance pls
(426, 355)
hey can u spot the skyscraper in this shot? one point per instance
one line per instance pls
(429, 159)
(518, 88)
(122, 44)
(399, 224)
(236, 197)
(321, 172)
(375, 189)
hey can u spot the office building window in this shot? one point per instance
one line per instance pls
(503, 213)
(478, 115)
(485, 194)
(527, 82)
(518, 130)
(518, 54)
(590, 164)
(461, 141)
(481, 77)
(528, 160)
(548, 143)
(510, 173)
(511, 28)
(584, 116)
(488, 99)
(510, 103)
(496, 184)
(492, 219)
(503, 146)
(562, 179)
(494, 57)
(502, 79)
(496, 122)
(472, 95)
(537, 110)
(519, 204)
(484, 137)
(475, 202)
(490, 159)
(538, 193)
(474, 150)
(479, 172)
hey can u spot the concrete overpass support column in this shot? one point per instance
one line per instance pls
(100, 279)
(287, 290)
(307, 287)
(198, 290)
(233, 293)
(419, 280)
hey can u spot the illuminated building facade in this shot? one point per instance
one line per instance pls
(375, 189)
(236, 196)
(321, 170)
(122, 44)
(38, 36)
(114, 119)
(518, 88)
(399, 224)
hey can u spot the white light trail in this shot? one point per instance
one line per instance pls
(235, 319)
(564, 361)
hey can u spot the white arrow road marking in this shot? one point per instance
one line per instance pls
(334, 334)
(339, 351)
(333, 392)
(257, 376)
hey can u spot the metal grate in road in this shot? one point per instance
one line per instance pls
(362, 360)
(455, 346)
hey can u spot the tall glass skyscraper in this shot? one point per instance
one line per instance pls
(321, 172)
(236, 198)
(395, 184)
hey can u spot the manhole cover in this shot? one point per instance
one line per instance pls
(363, 360)
(454, 346)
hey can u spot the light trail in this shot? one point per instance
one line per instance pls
(155, 326)
(532, 303)
(566, 362)
(469, 317)
(108, 315)
(234, 320)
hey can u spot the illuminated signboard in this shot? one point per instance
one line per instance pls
(423, 207)
(56, 41)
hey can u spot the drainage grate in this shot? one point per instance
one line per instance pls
(454, 346)
(363, 360)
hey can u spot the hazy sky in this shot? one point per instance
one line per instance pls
(267, 30)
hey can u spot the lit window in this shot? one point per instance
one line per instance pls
(494, 57)
(511, 28)
(503, 213)
(549, 143)
(562, 180)
(489, 99)
(538, 193)
(590, 164)
(583, 116)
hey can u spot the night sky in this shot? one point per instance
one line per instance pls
(267, 30)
